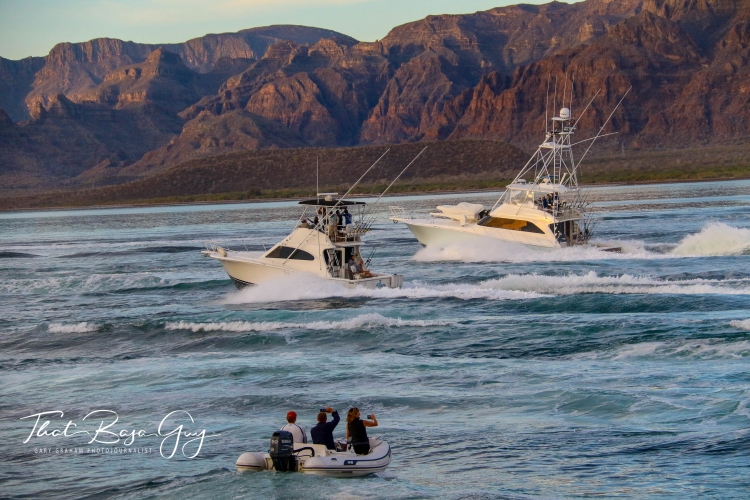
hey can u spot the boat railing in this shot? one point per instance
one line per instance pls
(399, 212)
(211, 246)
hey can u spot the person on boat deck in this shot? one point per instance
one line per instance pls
(354, 266)
(322, 433)
(545, 204)
(297, 430)
(347, 217)
(356, 432)
(331, 223)
(315, 223)
(362, 269)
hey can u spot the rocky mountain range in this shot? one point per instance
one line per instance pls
(108, 111)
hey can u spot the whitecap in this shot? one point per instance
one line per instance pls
(83, 327)
(741, 324)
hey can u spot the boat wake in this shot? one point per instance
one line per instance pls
(715, 239)
(300, 288)
(509, 287)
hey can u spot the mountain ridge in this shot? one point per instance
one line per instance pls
(470, 76)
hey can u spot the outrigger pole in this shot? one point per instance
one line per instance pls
(360, 179)
(399, 176)
(600, 130)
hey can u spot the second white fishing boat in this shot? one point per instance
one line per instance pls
(547, 211)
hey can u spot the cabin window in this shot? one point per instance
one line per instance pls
(282, 252)
(512, 224)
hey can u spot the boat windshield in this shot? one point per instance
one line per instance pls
(511, 224)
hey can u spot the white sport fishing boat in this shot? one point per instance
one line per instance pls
(547, 211)
(316, 458)
(323, 249)
(322, 245)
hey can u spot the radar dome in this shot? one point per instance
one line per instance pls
(565, 114)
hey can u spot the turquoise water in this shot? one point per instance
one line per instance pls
(495, 372)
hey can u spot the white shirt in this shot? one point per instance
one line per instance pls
(298, 432)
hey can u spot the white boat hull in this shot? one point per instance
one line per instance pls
(326, 462)
(442, 233)
(245, 270)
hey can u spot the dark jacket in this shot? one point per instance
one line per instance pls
(323, 433)
(357, 432)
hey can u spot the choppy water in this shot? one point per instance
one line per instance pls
(495, 372)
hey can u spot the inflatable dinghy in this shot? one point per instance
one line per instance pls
(316, 458)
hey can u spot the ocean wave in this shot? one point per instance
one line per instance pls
(300, 288)
(364, 321)
(591, 282)
(715, 239)
(702, 349)
(741, 324)
(91, 283)
(83, 327)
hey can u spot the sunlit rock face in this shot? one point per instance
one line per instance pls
(482, 76)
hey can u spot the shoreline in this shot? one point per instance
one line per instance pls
(395, 195)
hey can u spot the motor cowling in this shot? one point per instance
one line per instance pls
(282, 452)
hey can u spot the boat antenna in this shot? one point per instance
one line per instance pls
(317, 177)
(565, 89)
(546, 106)
(604, 125)
(554, 99)
(572, 85)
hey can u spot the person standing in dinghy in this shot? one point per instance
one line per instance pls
(356, 432)
(298, 432)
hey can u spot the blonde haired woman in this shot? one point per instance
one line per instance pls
(356, 432)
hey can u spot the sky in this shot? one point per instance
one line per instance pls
(33, 27)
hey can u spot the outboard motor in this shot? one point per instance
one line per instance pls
(282, 452)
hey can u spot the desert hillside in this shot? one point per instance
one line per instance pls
(109, 112)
